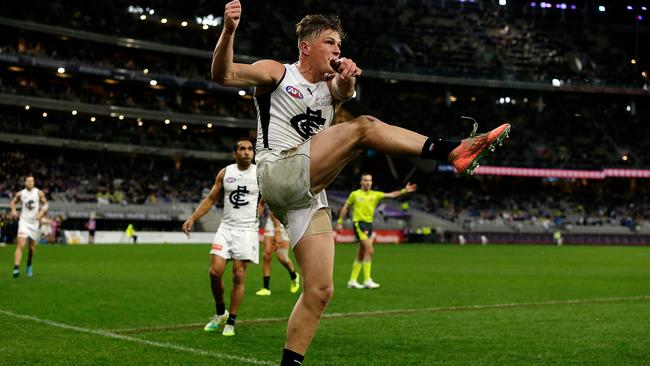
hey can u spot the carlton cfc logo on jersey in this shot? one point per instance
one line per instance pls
(231, 180)
(291, 90)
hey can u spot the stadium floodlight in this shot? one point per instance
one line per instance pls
(525, 100)
(242, 92)
(639, 17)
(556, 83)
(153, 82)
(143, 17)
(184, 23)
(184, 127)
(120, 117)
(74, 112)
(206, 27)
(27, 107)
(628, 108)
(209, 125)
(507, 99)
(633, 61)
(93, 119)
(163, 20)
(644, 8)
(152, 12)
(167, 121)
(503, 2)
(601, 8)
(44, 114)
(573, 7)
(140, 123)
(643, 73)
(502, 100)
(533, 4)
(624, 157)
(629, 7)
(61, 70)
(145, 71)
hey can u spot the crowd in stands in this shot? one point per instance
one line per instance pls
(103, 177)
(448, 38)
(107, 129)
(572, 131)
(547, 203)
(136, 95)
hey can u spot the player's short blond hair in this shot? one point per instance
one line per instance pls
(311, 26)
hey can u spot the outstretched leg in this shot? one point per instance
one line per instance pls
(336, 146)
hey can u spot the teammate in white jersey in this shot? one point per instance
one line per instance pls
(276, 240)
(300, 154)
(34, 206)
(237, 238)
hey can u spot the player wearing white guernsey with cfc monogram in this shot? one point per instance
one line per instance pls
(34, 206)
(300, 156)
(237, 238)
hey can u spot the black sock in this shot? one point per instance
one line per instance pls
(218, 299)
(293, 275)
(16, 266)
(231, 319)
(291, 358)
(29, 258)
(267, 281)
(438, 149)
(221, 308)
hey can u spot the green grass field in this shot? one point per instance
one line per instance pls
(438, 305)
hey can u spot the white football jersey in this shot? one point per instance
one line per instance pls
(241, 194)
(292, 113)
(31, 204)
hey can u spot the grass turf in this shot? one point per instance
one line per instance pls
(119, 288)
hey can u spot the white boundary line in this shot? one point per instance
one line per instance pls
(402, 312)
(122, 337)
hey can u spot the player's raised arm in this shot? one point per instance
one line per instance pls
(228, 73)
(14, 203)
(409, 188)
(44, 205)
(206, 204)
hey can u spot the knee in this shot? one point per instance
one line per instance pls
(238, 277)
(320, 296)
(364, 124)
(214, 273)
(267, 257)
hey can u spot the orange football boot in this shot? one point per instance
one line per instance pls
(465, 157)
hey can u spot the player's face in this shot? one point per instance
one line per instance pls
(324, 48)
(366, 182)
(245, 153)
(29, 182)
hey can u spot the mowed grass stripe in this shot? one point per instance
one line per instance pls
(377, 313)
(108, 334)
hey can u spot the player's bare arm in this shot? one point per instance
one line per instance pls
(228, 73)
(14, 203)
(206, 204)
(408, 188)
(342, 214)
(342, 85)
(44, 205)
